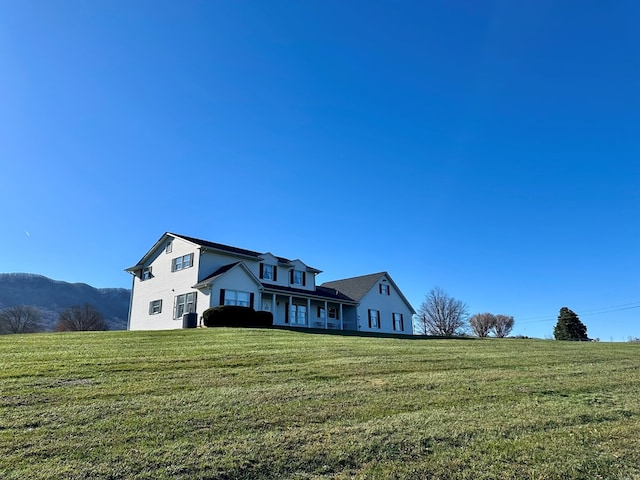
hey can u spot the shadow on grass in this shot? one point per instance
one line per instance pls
(354, 333)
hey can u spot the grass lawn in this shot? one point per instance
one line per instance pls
(253, 404)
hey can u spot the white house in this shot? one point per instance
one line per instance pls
(181, 274)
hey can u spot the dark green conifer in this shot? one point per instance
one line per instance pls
(569, 326)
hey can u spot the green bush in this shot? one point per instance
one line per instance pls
(236, 316)
(263, 319)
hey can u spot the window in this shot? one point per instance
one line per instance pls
(169, 247)
(374, 319)
(384, 289)
(298, 277)
(235, 297)
(185, 303)
(398, 322)
(321, 312)
(268, 272)
(333, 313)
(146, 273)
(298, 314)
(155, 307)
(180, 263)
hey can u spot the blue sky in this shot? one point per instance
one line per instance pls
(490, 148)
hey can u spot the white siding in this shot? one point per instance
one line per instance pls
(164, 285)
(235, 279)
(387, 305)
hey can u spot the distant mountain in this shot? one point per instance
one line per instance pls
(52, 296)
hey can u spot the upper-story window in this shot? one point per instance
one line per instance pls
(146, 273)
(384, 289)
(298, 277)
(180, 263)
(268, 272)
(169, 247)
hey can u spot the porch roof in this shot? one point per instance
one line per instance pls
(321, 293)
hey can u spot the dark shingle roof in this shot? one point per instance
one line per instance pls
(207, 280)
(355, 287)
(219, 246)
(321, 292)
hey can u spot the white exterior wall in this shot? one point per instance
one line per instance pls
(235, 279)
(387, 305)
(210, 261)
(165, 285)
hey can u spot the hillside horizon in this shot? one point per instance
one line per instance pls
(51, 297)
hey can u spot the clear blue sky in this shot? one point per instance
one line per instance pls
(490, 148)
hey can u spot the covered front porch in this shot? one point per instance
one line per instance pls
(296, 309)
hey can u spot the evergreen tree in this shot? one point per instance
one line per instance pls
(569, 326)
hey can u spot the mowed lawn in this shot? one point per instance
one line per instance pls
(254, 404)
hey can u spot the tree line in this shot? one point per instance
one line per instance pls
(28, 319)
(441, 314)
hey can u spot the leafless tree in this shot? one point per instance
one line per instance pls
(81, 318)
(441, 314)
(482, 323)
(502, 326)
(20, 319)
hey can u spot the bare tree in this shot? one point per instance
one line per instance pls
(482, 323)
(502, 326)
(20, 319)
(441, 314)
(81, 318)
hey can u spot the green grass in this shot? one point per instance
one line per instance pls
(251, 404)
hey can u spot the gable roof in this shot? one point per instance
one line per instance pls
(358, 287)
(207, 281)
(355, 287)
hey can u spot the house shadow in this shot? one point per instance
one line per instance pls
(355, 333)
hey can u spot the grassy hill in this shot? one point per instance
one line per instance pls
(252, 404)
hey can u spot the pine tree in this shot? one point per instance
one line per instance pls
(569, 326)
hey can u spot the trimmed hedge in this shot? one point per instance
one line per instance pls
(235, 316)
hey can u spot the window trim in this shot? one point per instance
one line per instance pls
(234, 301)
(146, 273)
(377, 318)
(302, 277)
(188, 307)
(401, 321)
(182, 258)
(154, 303)
(265, 267)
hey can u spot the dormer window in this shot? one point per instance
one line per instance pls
(268, 272)
(384, 289)
(298, 277)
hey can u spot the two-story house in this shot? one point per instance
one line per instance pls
(181, 274)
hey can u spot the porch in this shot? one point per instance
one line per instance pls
(305, 311)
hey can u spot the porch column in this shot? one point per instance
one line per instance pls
(273, 307)
(341, 319)
(308, 312)
(292, 321)
(326, 314)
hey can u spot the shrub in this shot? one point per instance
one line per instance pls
(263, 319)
(236, 316)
